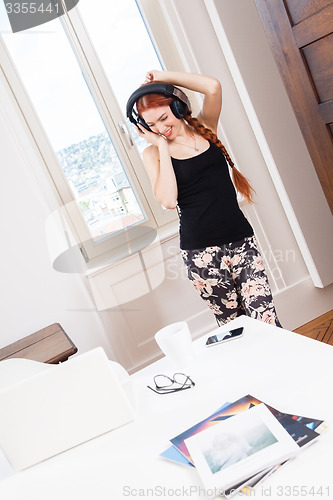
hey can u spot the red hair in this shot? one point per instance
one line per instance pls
(242, 185)
(149, 101)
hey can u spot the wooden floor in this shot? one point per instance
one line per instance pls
(320, 328)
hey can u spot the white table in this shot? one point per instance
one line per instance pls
(283, 369)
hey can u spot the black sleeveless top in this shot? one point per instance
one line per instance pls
(209, 211)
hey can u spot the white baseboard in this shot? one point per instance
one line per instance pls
(302, 303)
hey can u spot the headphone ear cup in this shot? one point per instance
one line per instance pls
(141, 122)
(179, 108)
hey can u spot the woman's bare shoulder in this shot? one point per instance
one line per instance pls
(151, 153)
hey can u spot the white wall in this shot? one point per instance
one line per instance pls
(279, 137)
(291, 216)
(33, 295)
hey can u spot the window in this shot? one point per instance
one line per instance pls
(77, 72)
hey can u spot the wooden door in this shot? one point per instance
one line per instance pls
(300, 33)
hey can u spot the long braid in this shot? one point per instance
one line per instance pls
(241, 183)
(155, 100)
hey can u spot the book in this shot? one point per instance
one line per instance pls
(222, 413)
(246, 487)
(174, 455)
(239, 447)
(302, 428)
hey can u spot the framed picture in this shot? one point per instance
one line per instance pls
(239, 447)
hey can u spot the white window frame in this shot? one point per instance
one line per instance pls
(163, 221)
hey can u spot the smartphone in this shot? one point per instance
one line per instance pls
(224, 337)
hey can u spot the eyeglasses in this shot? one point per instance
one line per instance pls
(167, 385)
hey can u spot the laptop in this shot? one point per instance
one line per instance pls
(60, 407)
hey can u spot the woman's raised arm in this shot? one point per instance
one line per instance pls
(208, 86)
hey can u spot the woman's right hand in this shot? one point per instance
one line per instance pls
(151, 137)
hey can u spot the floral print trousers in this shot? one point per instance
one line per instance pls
(232, 280)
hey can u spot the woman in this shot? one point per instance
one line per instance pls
(187, 166)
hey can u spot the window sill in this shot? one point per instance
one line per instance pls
(116, 283)
(103, 264)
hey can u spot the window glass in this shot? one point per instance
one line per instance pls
(124, 47)
(54, 82)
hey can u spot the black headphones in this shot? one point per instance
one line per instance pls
(180, 106)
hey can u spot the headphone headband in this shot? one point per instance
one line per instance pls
(165, 89)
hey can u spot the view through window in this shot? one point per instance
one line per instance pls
(85, 148)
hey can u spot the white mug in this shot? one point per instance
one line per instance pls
(175, 342)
